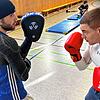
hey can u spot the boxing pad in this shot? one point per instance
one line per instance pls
(96, 79)
(32, 24)
(73, 45)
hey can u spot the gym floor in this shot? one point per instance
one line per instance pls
(53, 75)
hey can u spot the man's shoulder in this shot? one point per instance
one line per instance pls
(8, 41)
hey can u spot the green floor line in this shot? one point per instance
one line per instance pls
(71, 65)
(57, 39)
(40, 47)
(90, 69)
(58, 53)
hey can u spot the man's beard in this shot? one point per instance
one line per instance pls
(7, 27)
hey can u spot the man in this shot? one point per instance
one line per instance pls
(14, 66)
(83, 8)
(90, 26)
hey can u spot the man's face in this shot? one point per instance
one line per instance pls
(9, 22)
(92, 36)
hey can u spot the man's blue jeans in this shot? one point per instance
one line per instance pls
(92, 95)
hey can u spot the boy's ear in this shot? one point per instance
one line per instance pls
(98, 30)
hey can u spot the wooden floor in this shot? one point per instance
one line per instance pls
(53, 75)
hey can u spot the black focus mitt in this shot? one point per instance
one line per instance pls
(32, 24)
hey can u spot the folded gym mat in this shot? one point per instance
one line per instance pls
(64, 27)
(74, 17)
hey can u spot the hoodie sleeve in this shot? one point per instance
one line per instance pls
(10, 51)
(85, 61)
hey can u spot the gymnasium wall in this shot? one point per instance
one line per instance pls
(23, 6)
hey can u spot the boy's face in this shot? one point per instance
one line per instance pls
(92, 36)
(9, 22)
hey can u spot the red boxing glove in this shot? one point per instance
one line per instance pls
(73, 45)
(96, 79)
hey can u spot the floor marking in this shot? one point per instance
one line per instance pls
(36, 54)
(44, 77)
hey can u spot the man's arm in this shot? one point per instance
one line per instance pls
(25, 47)
(32, 25)
(10, 51)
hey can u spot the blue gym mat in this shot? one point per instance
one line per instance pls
(74, 17)
(64, 27)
